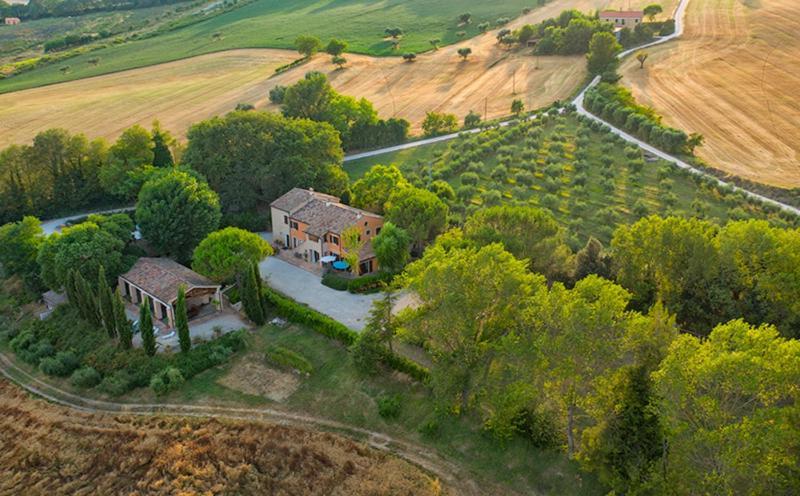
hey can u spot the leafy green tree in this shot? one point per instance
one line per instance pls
(652, 10)
(224, 254)
(339, 61)
(105, 302)
(182, 321)
(525, 33)
(146, 327)
(336, 47)
(373, 190)
(392, 247)
(630, 443)
(435, 43)
(83, 248)
(162, 141)
(307, 45)
(465, 18)
(464, 52)
(641, 57)
(472, 119)
(393, 32)
(435, 124)
(382, 320)
(252, 158)
(421, 213)
(761, 267)
(410, 57)
(123, 324)
(602, 56)
(132, 151)
(529, 233)
(729, 404)
(19, 246)
(175, 212)
(675, 261)
(517, 107)
(118, 225)
(470, 300)
(443, 190)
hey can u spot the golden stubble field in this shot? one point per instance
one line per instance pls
(50, 450)
(187, 91)
(735, 78)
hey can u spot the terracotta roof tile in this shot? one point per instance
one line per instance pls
(162, 277)
(296, 198)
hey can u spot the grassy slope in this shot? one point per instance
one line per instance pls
(602, 211)
(336, 390)
(276, 23)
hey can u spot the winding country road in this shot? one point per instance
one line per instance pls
(450, 474)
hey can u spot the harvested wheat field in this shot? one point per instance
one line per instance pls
(734, 78)
(181, 93)
(49, 450)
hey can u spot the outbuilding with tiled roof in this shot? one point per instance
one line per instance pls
(158, 280)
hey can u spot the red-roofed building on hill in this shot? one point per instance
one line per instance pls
(311, 225)
(623, 18)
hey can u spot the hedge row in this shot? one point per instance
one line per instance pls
(303, 315)
(327, 326)
(363, 285)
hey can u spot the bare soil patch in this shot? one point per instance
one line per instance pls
(251, 375)
(734, 78)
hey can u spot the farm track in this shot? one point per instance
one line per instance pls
(451, 475)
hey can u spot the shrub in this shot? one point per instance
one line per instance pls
(276, 94)
(538, 428)
(367, 353)
(117, 383)
(389, 406)
(524, 177)
(371, 283)
(469, 178)
(61, 365)
(334, 281)
(430, 429)
(284, 357)
(85, 377)
(166, 380)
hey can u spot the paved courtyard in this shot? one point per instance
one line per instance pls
(203, 328)
(348, 308)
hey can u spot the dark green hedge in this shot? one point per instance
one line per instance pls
(303, 315)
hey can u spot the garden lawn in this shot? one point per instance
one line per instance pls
(276, 24)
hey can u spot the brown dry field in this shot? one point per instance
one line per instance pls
(734, 77)
(187, 91)
(49, 450)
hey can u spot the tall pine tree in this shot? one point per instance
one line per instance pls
(106, 303)
(86, 300)
(146, 327)
(71, 291)
(182, 321)
(122, 324)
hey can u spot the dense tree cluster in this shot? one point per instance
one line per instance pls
(37, 9)
(251, 158)
(616, 104)
(356, 120)
(60, 172)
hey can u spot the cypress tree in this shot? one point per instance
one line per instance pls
(250, 298)
(260, 291)
(122, 324)
(69, 289)
(106, 303)
(182, 321)
(86, 300)
(146, 328)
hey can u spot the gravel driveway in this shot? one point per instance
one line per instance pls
(305, 287)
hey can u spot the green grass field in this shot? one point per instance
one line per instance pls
(337, 391)
(276, 24)
(587, 182)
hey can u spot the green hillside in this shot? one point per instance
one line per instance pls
(276, 24)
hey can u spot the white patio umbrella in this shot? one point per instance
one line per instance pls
(328, 259)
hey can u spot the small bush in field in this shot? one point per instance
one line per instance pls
(166, 380)
(389, 406)
(85, 377)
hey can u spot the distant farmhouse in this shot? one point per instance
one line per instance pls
(623, 18)
(311, 224)
(10, 21)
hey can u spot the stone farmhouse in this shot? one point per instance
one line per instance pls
(311, 225)
(623, 18)
(159, 279)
